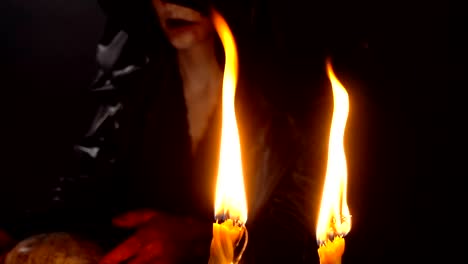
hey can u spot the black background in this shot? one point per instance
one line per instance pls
(393, 58)
(49, 49)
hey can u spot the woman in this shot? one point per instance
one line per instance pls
(151, 152)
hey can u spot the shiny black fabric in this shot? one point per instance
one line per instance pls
(136, 154)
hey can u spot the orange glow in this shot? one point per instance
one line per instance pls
(334, 217)
(230, 199)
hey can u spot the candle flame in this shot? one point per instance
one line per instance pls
(334, 217)
(230, 199)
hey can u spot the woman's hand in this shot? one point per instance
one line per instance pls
(5, 243)
(161, 238)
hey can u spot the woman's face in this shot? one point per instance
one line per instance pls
(183, 26)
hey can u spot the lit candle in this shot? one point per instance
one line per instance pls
(334, 220)
(229, 231)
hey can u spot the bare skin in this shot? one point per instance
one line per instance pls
(202, 79)
(199, 69)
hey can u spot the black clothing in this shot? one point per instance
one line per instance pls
(137, 154)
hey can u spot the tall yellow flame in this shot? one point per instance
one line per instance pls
(230, 200)
(334, 217)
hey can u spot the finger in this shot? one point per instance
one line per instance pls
(148, 253)
(134, 218)
(122, 252)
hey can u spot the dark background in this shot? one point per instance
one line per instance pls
(393, 57)
(48, 52)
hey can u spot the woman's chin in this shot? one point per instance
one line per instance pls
(183, 41)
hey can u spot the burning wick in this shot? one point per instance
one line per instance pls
(230, 200)
(334, 220)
